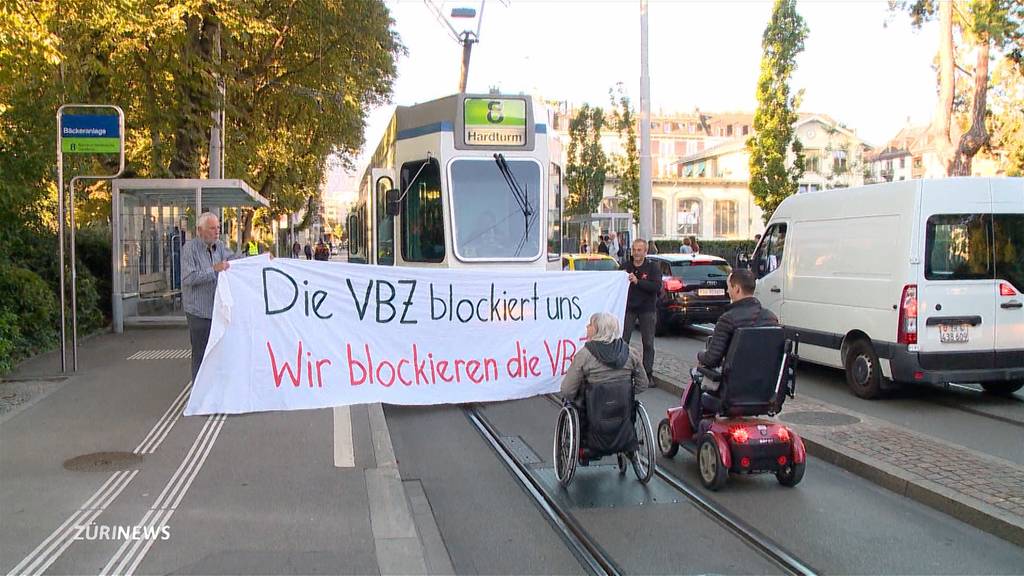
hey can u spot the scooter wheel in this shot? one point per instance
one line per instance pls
(713, 473)
(666, 446)
(791, 474)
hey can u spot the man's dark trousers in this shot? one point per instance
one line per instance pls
(199, 333)
(648, 320)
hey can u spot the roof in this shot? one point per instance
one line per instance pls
(727, 147)
(182, 191)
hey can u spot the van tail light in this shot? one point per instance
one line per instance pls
(1006, 290)
(783, 435)
(907, 333)
(672, 284)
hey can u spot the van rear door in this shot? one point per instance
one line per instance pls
(956, 312)
(1008, 242)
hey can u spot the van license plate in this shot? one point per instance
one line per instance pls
(710, 292)
(951, 333)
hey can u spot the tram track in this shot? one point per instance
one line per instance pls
(583, 545)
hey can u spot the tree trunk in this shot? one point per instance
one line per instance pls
(189, 134)
(972, 141)
(942, 118)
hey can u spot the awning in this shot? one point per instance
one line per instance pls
(169, 191)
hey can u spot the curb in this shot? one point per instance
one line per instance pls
(969, 510)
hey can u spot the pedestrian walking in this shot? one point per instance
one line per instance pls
(309, 251)
(685, 247)
(202, 259)
(296, 249)
(644, 278)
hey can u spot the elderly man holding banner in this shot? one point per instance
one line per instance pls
(202, 259)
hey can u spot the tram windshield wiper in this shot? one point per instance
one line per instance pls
(522, 198)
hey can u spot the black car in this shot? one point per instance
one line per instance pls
(693, 289)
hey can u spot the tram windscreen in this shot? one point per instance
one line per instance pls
(489, 220)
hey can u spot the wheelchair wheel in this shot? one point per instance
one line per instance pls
(567, 444)
(643, 458)
(666, 446)
(713, 473)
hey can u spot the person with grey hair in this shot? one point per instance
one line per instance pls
(202, 259)
(606, 358)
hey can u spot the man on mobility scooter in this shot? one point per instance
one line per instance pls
(758, 371)
(600, 415)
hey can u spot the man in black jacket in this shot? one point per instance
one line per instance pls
(641, 304)
(744, 311)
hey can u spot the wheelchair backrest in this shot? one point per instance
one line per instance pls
(751, 370)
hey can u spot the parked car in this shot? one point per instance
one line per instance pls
(588, 262)
(910, 281)
(693, 289)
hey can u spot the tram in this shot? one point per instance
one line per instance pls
(467, 180)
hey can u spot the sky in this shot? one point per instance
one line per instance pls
(870, 76)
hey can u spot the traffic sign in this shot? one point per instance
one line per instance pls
(90, 134)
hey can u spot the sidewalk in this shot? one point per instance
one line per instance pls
(315, 491)
(981, 490)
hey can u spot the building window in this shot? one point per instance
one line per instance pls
(746, 129)
(726, 218)
(903, 163)
(838, 161)
(659, 217)
(814, 163)
(688, 217)
(728, 130)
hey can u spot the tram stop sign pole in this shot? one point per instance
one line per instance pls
(95, 129)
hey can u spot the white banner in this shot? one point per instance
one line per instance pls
(291, 334)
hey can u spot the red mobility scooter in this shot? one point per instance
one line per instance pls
(758, 374)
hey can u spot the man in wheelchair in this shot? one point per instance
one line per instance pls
(601, 382)
(743, 312)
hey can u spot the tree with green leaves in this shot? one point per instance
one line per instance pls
(771, 180)
(984, 27)
(626, 167)
(1006, 117)
(587, 165)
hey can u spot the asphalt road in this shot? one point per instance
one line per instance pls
(963, 415)
(834, 521)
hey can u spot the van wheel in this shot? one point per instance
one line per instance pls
(863, 375)
(1003, 388)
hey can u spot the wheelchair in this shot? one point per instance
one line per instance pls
(758, 375)
(571, 448)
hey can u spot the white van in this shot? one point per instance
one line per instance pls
(912, 281)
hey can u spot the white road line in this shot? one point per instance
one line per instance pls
(159, 439)
(131, 553)
(344, 452)
(171, 412)
(51, 549)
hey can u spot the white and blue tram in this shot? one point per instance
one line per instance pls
(462, 181)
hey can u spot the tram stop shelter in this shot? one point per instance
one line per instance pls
(588, 227)
(152, 219)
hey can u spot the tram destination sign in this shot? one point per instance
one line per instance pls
(90, 134)
(495, 122)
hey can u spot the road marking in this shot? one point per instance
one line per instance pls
(344, 451)
(163, 426)
(131, 553)
(161, 354)
(60, 539)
